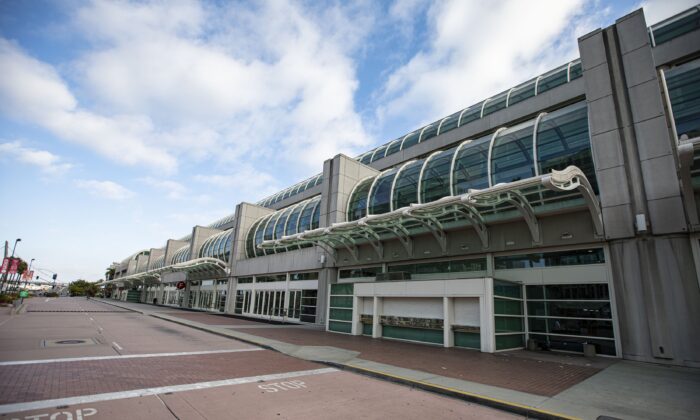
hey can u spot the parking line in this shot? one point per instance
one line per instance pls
(126, 356)
(117, 345)
(36, 405)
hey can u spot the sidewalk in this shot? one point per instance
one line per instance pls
(529, 383)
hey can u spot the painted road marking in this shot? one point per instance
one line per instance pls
(283, 386)
(87, 399)
(92, 319)
(114, 343)
(80, 414)
(126, 356)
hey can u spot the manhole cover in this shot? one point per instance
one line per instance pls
(69, 342)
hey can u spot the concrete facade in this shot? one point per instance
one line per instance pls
(638, 274)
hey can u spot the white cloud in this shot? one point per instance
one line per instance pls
(33, 91)
(46, 161)
(245, 181)
(172, 189)
(275, 83)
(105, 189)
(658, 10)
(478, 49)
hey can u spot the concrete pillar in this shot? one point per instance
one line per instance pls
(356, 312)
(486, 319)
(376, 314)
(448, 319)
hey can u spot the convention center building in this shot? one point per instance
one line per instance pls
(560, 214)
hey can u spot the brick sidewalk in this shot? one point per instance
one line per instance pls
(41, 381)
(501, 370)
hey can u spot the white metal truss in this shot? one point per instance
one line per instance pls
(426, 217)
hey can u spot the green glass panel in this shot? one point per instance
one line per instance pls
(683, 84)
(512, 156)
(507, 307)
(340, 314)
(563, 140)
(496, 103)
(406, 185)
(509, 324)
(553, 80)
(367, 329)
(507, 289)
(344, 327)
(677, 27)
(357, 208)
(342, 289)
(470, 340)
(504, 342)
(380, 199)
(413, 334)
(471, 166)
(521, 93)
(435, 183)
(341, 301)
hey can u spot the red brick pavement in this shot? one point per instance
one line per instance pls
(501, 370)
(41, 381)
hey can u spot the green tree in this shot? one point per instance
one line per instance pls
(83, 288)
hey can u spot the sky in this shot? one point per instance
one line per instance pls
(124, 124)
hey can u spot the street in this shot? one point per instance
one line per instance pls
(74, 358)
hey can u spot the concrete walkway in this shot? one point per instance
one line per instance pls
(624, 389)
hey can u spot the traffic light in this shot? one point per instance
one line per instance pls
(54, 276)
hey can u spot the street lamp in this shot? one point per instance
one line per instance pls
(15, 246)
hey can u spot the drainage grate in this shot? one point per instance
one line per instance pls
(69, 342)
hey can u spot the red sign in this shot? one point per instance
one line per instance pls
(14, 265)
(27, 275)
(180, 285)
(5, 265)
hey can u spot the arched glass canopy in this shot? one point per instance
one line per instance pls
(159, 262)
(537, 86)
(217, 246)
(297, 218)
(549, 142)
(295, 189)
(182, 254)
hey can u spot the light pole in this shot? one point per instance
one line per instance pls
(29, 271)
(15, 246)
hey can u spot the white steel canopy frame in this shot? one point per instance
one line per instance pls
(373, 229)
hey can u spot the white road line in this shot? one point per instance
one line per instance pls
(85, 399)
(92, 319)
(114, 343)
(126, 356)
(47, 299)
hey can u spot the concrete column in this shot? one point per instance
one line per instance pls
(356, 309)
(376, 314)
(448, 319)
(488, 327)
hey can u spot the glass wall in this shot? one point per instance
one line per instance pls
(561, 139)
(182, 254)
(566, 316)
(217, 246)
(559, 76)
(297, 218)
(683, 88)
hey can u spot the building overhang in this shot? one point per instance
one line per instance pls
(522, 199)
(212, 266)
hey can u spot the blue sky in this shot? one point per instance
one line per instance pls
(125, 124)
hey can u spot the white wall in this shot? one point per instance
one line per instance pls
(413, 307)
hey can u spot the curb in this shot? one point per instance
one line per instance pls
(511, 407)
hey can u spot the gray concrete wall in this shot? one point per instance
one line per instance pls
(344, 173)
(248, 214)
(199, 235)
(653, 273)
(154, 255)
(172, 245)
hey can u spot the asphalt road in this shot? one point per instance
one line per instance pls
(69, 358)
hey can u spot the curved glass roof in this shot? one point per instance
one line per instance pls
(297, 218)
(159, 262)
(223, 221)
(540, 84)
(549, 142)
(295, 189)
(217, 246)
(182, 254)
